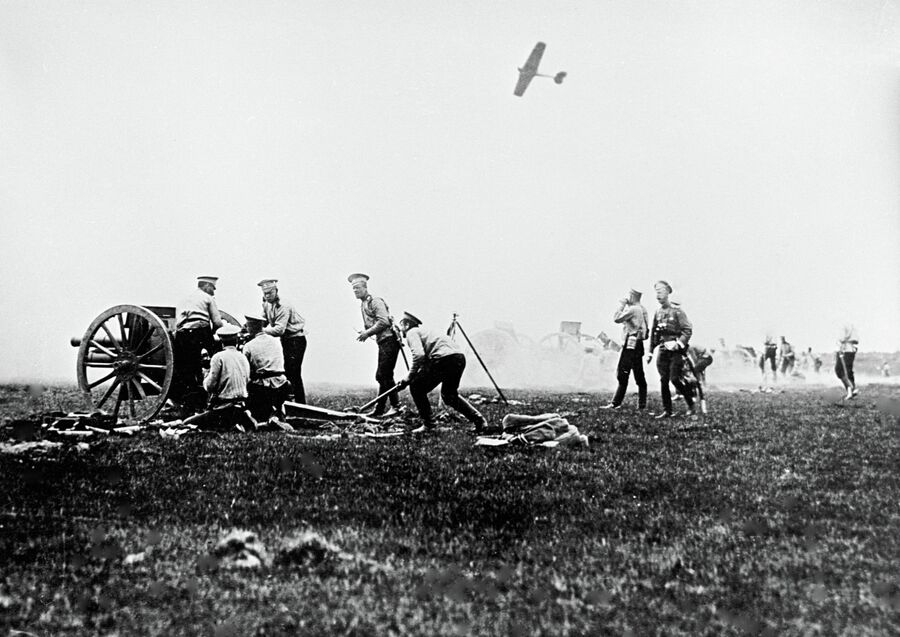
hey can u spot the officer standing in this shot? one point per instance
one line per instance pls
(377, 322)
(436, 360)
(633, 317)
(671, 332)
(284, 322)
(196, 318)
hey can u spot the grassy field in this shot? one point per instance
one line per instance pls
(775, 514)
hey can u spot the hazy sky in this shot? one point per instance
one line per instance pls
(748, 152)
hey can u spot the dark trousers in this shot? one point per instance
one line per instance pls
(446, 371)
(631, 362)
(844, 369)
(222, 414)
(388, 351)
(769, 354)
(670, 365)
(264, 402)
(187, 381)
(294, 349)
(787, 365)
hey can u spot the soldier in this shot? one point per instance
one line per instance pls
(226, 384)
(633, 317)
(196, 318)
(268, 387)
(769, 353)
(436, 360)
(701, 358)
(671, 332)
(786, 358)
(283, 321)
(848, 344)
(377, 322)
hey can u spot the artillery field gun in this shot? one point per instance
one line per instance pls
(126, 360)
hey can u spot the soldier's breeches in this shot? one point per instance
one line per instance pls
(294, 349)
(670, 366)
(388, 351)
(446, 372)
(631, 362)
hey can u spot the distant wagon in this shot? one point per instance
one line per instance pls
(126, 360)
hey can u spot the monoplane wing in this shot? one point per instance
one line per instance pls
(527, 72)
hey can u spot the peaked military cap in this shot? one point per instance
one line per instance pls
(411, 318)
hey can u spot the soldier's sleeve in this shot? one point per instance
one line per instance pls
(622, 314)
(654, 340)
(214, 315)
(211, 382)
(417, 349)
(278, 320)
(685, 328)
(382, 318)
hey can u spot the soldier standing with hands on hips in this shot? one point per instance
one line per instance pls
(377, 322)
(671, 332)
(633, 317)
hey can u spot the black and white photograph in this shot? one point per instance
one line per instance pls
(449, 318)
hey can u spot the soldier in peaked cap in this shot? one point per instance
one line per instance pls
(633, 317)
(671, 332)
(378, 323)
(283, 321)
(436, 360)
(268, 387)
(226, 384)
(196, 318)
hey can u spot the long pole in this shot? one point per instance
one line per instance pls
(478, 356)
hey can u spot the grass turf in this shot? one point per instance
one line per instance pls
(775, 514)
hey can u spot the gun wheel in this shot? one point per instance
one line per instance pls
(126, 363)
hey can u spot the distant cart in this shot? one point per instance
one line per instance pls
(569, 356)
(565, 358)
(126, 360)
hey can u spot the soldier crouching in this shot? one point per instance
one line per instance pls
(268, 387)
(437, 360)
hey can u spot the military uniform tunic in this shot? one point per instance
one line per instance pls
(229, 373)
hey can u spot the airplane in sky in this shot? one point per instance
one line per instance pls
(527, 72)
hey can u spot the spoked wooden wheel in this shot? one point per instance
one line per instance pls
(561, 358)
(126, 362)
